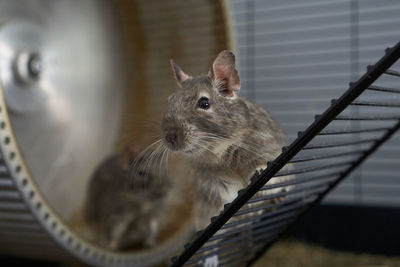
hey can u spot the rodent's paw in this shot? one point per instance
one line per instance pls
(152, 234)
(260, 169)
(257, 172)
(280, 199)
(113, 245)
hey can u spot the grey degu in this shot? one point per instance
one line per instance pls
(227, 138)
(127, 218)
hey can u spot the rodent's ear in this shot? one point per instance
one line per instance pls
(224, 75)
(179, 75)
(132, 151)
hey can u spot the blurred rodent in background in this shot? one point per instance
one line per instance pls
(227, 138)
(125, 204)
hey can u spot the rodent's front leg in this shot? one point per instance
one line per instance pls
(276, 180)
(211, 193)
(151, 239)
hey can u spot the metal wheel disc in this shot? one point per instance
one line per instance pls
(60, 79)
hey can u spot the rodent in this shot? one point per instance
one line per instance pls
(126, 217)
(227, 138)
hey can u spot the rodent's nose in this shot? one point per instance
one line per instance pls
(171, 138)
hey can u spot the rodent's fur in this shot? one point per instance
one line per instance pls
(225, 143)
(126, 218)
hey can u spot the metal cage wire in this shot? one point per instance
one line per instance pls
(323, 155)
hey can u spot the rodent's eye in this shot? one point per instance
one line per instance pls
(203, 103)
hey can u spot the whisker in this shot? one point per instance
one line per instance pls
(143, 160)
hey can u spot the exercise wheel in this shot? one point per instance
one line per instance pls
(76, 76)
